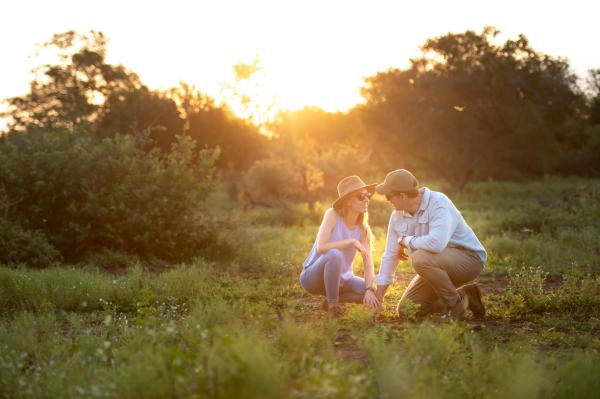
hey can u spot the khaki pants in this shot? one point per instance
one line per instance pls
(438, 277)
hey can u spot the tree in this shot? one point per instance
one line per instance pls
(246, 93)
(241, 143)
(150, 116)
(593, 82)
(288, 174)
(470, 108)
(70, 94)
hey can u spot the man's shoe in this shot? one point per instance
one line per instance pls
(473, 293)
(459, 310)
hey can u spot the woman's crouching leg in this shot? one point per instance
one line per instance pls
(353, 290)
(323, 276)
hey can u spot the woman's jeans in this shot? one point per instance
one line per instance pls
(323, 278)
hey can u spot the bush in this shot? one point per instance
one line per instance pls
(111, 260)
(86, 195)
(578, 295)
(24, 246)
(271, 182)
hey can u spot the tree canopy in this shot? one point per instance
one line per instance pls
(81, 91)
(470, 107)
(70, 93)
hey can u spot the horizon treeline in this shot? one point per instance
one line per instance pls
(95, 159)
(467, 109)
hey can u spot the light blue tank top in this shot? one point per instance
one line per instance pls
(340, 232)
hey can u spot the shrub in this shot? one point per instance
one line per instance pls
(271, 182)
(25, 246)
(86, 195)
(111, 260)
(578, 295)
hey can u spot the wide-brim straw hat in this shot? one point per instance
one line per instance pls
(349, 185)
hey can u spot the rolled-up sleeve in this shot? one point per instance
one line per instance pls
(441, 227)
(389, 260)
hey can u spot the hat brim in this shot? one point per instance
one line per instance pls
(370, 188)
(383, 189)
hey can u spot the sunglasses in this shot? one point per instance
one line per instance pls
(363, 196)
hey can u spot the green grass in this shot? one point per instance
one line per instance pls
(245, 328)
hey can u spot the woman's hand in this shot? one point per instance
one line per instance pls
(370, 300)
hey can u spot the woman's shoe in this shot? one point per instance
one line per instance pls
(334, 309)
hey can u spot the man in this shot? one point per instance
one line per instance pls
(446, 254)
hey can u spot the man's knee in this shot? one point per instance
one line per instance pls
(409, 308)
(421, 260)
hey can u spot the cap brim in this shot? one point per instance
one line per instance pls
(370, 188)
(383, 189)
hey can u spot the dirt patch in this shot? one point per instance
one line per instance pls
(492, 284)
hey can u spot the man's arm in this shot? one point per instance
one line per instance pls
(389, 260)
(381, 289)
(441, 228)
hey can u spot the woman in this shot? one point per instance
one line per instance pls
(344, 230)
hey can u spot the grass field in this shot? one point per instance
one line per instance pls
(244, 327)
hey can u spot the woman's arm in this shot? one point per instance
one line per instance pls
(370, 300)
(368, 263)
(324, 235)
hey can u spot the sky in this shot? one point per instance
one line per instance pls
(312, 53)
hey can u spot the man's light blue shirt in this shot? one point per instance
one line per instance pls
(436, 225)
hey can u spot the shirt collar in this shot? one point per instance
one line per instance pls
(425, 200)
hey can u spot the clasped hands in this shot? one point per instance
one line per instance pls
(402, 250)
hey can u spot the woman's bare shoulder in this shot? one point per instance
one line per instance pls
(330, 215)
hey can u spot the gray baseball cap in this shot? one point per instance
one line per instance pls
(398, 180)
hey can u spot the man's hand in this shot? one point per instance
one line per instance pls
(402, 250)
(381, 289)
(370, 300)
